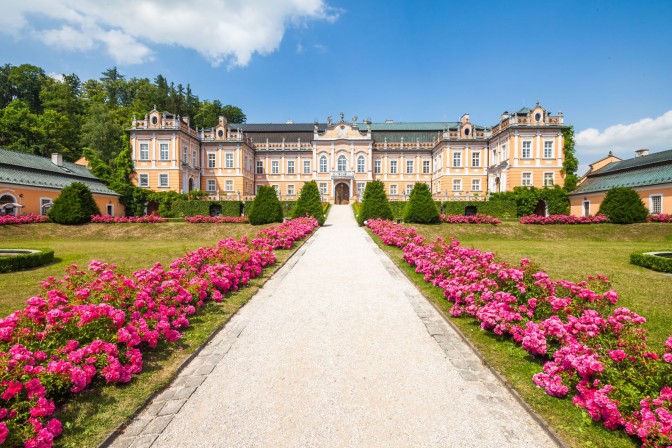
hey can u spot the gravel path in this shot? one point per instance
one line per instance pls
(338, 349)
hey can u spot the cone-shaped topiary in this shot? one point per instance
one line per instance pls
(266, 207)
(74, 205)
(623, 205)
(374, 203)
(421, 208)
(309, 203)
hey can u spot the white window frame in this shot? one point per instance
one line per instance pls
(426, 166)
(527, 146)
(306, 167)
(228, 160)
(185, 155)
(260, 167)
(361, 164)
(163, 146)
(228, 185)
(323, 165)
(585, 207)
(291, 166)
(409, 189)
(503, 155)
(393, 166)
(212, 160)
(341, 163)
(43, 203)
(194, 158)
(256, 189)
(457, 159)
(109, 209)
(211, 185)
(410, 166)
(546, 184)
(523, 179)
(167, 177)
(475, 184)
(457, 184)
(276, 187)
(322, 186)
(360, 188)
(394, 190)
(291, 190)
(651, 199)
(476, 159)
(377, 166)
(275, 167)
(144, 153)
(140, 182)
(548, 149)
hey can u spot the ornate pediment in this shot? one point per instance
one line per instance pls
(343, 131)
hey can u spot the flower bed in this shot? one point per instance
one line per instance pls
(563, 219)
(662, 217)
(23, 219)
(476, 219)
(93, 325)
(592, 349)
(215, 219)
(147, 219)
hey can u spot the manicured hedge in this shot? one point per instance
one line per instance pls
(183, 207)
(287, 207)
(25, 261)
(660, 264)
(502, 208)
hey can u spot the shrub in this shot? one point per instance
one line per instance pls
(266, 207)
(196, 207)
(374, 203)
(527, 199)
(660, 264)
(25, 260)
(309, 203)
(421, 208)
(623, 205)
(75, 205)
(563, 219)
(501, 208)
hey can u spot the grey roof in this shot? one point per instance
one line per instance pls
(27, 169)
(421, 126)
(409, 137)
(653, 169)
(277, 127)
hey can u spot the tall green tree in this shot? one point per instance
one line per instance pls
(19, 128)
(266, 207)
(570, 164)
(421, 207)
(102, 133)
(113, 83)
(26, 83)
(233, 114)
(374, 203)
(309, 203)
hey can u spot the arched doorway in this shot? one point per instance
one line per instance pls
(342, 194)
(191, 183)
(540, 209)
(7, 207)
(497, 184)
(152, 208)
(470, 210)
(215, 210)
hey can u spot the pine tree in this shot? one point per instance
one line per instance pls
(74, 205)
(309, 203)
(266, 207)
(375, 203)
(421, 207)
(623, 205)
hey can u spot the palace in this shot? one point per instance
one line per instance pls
(458, 160)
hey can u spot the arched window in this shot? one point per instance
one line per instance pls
(323, 164)
(342, 163)
(7, 207)
(361, 164)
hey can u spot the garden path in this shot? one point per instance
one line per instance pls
(338, 349)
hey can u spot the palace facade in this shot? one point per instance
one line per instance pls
(458, 160)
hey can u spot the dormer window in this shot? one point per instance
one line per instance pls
(466, 132)
(155, 120)
(537, 117)
(220, 133)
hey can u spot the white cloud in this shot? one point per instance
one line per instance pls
(230, 31)
(623, 139)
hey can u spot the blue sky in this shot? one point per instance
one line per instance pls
(607, 65)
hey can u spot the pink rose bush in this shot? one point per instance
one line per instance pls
(93, 325)
(23, 219)
(147, 219)
(662, 217)
(199, 219)
(590, 347)
(476, 219)
(563, 219)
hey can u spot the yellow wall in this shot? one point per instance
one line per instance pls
(644, 192)
(31, 197)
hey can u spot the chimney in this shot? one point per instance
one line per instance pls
(57, 159)
(641, 152)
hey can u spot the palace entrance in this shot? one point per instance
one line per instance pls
(342, 194)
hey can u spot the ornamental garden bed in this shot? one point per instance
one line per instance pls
(12, 260)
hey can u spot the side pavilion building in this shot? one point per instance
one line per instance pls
(458, 160)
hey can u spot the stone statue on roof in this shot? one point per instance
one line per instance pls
(329, 120)
(354, 119)
(342, 117)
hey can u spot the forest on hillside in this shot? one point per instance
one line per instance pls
(41, 114)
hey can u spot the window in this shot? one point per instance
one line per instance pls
(144, 151)
(527, 179)
(323, 188)
(393, 169)
(143, 180)
(527, 150)
(163, 151)
(476, 159)
(585, 208)
(211, 185)
(409, 167)
(109, 210)
(457, 184)
(323, 165)
(425, 166)
(360, 188)
(228, 185)
(260, 167)
(475, 184)
(45, 205)
(548, 150)
(393, 190)
(306, 167)
(341, 163)
(275, 167)
(656, 204)
(228, 160)
(377, 167)
(256, 188)
(290, 190)
(361, 164)
(193, 158)
(494, 156)
(277, 190)
(409, 189)
(503, 152)
(211, 160)
(457, 159)
(185, 159)
(548, 180)
(290, 167)
(163, 180)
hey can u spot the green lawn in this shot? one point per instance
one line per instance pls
(570, 252)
